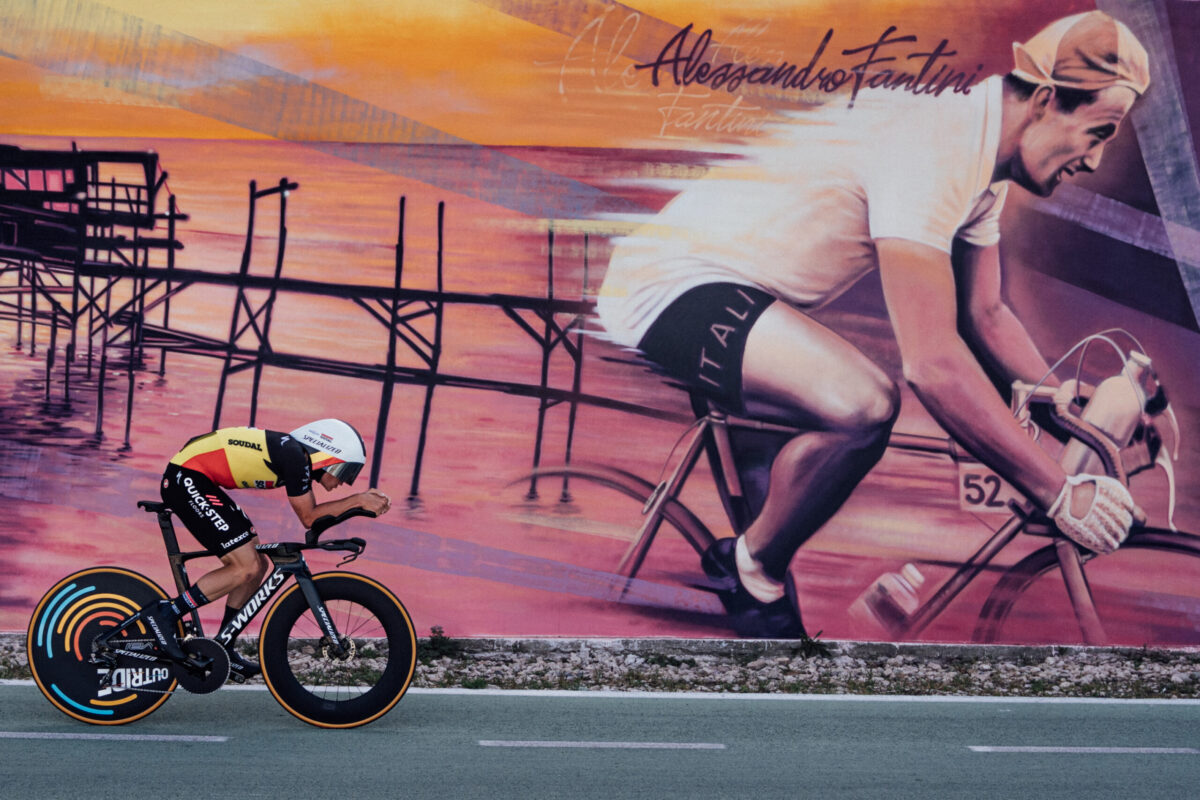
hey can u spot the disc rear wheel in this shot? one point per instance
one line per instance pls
(68, 618)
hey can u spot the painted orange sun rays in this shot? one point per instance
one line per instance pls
(483, 71)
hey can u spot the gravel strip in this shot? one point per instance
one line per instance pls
(824, 668)
(718, 665)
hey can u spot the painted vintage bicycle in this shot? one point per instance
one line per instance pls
(1147, 591)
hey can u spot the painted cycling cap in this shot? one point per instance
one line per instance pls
(1084, 51)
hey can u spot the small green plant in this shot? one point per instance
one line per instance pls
(439, 646)
(1153, 656)
(961, 682)
(809, 647)
(474, 683)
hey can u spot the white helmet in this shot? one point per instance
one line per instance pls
(333, 446)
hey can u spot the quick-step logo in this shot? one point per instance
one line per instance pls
(202, 507)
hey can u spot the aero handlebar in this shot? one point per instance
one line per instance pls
(322, 524)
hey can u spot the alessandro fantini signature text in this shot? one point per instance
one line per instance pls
(683, 61)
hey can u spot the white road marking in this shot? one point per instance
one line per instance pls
(605, 745)
(113, 737)
(612, 694)
(1190, 751)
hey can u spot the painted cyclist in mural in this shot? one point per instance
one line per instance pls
(717, 288)
(328, 452)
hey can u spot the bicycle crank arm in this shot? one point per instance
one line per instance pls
(142, 651)
(206, 668)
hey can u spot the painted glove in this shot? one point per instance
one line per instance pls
(1107, 521)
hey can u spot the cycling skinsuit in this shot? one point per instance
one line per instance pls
(231, 458)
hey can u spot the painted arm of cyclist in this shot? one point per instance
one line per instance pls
(988, 322)
(309, 510)
(922, 299)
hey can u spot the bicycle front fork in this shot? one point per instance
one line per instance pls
(1080, 592)
(336, 646)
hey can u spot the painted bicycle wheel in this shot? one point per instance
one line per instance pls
(597, 521)
(69, 617)
(1145, 593)
(595, 539)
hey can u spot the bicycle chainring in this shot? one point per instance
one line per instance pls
(207, 667)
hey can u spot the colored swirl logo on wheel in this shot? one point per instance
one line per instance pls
(73, 617)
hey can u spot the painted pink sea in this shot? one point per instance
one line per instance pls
(475, 555)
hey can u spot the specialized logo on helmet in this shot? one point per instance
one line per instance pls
(331, 442)
(323, 442)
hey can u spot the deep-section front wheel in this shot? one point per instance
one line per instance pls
(311, 679)
(1146, 593)
(72, 614)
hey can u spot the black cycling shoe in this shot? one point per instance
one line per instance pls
(240, 669)
(750, 616)
(163, 623)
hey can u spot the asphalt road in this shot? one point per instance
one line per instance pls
(576, 745)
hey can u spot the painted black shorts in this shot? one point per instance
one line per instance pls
(700, 339)
(212, 517)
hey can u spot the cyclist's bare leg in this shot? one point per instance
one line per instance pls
(239, 576)
(799, 372)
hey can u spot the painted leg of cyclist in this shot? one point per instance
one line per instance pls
(798, 372)
(810, 479)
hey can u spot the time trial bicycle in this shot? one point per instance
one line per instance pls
(337, 649)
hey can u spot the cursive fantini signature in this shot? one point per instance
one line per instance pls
(694, 67)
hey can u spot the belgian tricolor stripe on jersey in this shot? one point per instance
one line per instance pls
(234, 458)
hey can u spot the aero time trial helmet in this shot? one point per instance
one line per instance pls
(334, 446)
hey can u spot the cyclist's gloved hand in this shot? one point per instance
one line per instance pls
(1106, 523)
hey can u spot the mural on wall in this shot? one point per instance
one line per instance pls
(656, 319)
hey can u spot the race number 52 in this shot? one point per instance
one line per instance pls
(981, 490)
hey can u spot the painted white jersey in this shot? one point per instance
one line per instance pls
(798, 213)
